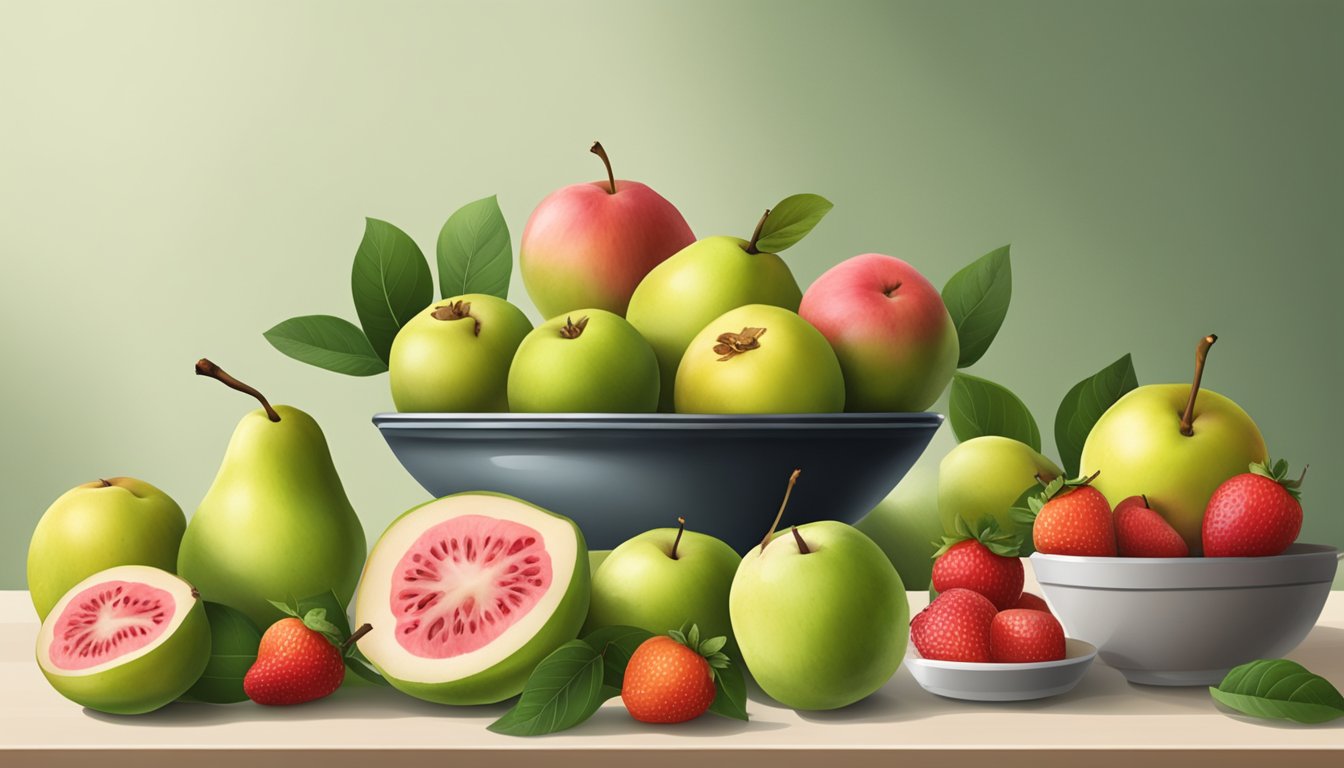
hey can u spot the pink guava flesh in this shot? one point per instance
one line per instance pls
(464, 582)
(109, 620)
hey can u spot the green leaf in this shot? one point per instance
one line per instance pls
(730, 693)
(390, 283)
(361, 666)
(234, 640)
(474, 250)
(327, 342)
(977, 298)
(713, 645)
(979, 407)
(790, 221)
(616, 644)
(564, 690)
(316, 620)
(1281, 690)
(1084, 404)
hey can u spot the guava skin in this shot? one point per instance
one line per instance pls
(456, 365)
(985, 476)
(820, 630)
(606, 368)
(906, 523)
(93, 527)
(506, 679)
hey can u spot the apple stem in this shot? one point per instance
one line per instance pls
(105, 484)
(206, 368)
(793, 478)
(1201, 354)
(756, 233)
(798, 537)
(363, 630)
(597, 149)
(1146, 505)
(573, 330)
(681, 528)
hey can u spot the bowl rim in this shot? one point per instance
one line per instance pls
(1301, 565)
(661, 421)
(1075, 652)
(1298, 549)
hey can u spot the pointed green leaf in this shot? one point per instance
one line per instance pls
(977, 298)
(730, 693)
(286, 608)
(1279, 689)
(979, 407)
(390, 283)
(693, 638)
(475, 253)
(356, 662)
(616, 644)
(233, 651)
(1085, 403)
(790, 221)
(327, 342)
(713, 645)
(565, 689)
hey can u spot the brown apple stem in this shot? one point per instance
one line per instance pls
(103, 483)
(597, 149)
(206, 368)
(681, 528)
(798, 537)
(793, 478)
(1201, 354)
(573, 330)
(756, 233)
(363, 630)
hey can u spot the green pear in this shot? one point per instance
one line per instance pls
(985, 476)
(1174, 444)
(589, 361)
(821, 616)
(276, 523)
(683, 294)
(100, 525)
(664, 578)
(596, 557)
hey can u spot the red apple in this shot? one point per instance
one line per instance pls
(896, 343)
(589, 245)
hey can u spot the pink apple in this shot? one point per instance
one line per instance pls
(896, 343)
(589, 245)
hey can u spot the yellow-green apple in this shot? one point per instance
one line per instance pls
(759, 359)
(985, 476)
(664, 578)
(820, 615)
(99, 525)
(589, 245)
(589, 361)
(1174, 444)
(455, 355)
(906, 524)
(896, 342)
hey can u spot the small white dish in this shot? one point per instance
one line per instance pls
(977, 681)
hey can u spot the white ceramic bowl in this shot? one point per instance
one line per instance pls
(975, 681)
(1187, 621)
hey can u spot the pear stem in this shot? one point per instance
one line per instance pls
(798, 537)
(1201, 354)
(597, 149)
(206, 368)
(363, 630)
(756, 233)
(681, 528)
(793, 478)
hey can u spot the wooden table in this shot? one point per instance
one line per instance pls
(1103, 722)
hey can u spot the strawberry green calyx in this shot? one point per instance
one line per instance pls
(1278, 472)
(710, 648)
(988, 533)
(1051, 490)
(315, 619)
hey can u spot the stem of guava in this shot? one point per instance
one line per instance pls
(597, 149)
(1201, 354)
(363, 630)
(793, 478)
(681, 528)
(206, 368)
(798, 537)
(756, 233)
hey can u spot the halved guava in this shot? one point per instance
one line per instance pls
(125, 640)
(467, 593)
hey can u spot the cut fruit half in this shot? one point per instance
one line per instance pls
(125, 640)
(466, 594)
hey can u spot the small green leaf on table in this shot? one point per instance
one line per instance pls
(978, 407)
(1084, 404)
(390, 283)
(565, 689)
(977, 298)
(616, 644)
(234, 641)
(327, 342)
(1281, 690)
(475, 253)
(790, 221)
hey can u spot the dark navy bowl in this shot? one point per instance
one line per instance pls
(618, 475)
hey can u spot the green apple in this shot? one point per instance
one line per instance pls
(906, 524)
(589, 361)
(1175, 444)
(455, 355)
(100, 525)
(759, 359)
(985, 476)
(662, 579)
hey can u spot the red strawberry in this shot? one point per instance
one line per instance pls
(1141, 532)
(670, 678)
(983, 561)
(1070, 518)
(1255, 514)
(1031, 602)
(1021, 634)
(955, 627)
(298, 660)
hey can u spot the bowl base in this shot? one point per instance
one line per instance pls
(1173, 678)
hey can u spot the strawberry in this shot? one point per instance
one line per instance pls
(1141, 532)
(1070, 518)
(670, 678)
(983, 561)
(1021, 634)
(1031, 602)
(298, 660)
(1255, 514)
(955, 627)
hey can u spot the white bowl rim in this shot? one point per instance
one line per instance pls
(1076, 652)
(1302, 564)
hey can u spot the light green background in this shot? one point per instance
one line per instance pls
(177, 177)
